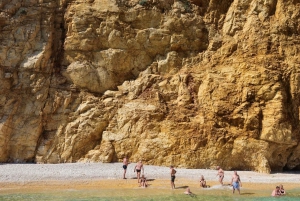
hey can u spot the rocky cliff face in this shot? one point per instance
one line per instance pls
(194, 83)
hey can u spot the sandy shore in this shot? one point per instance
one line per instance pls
(109, 175)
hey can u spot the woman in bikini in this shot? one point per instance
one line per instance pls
(202, 182)
(220, 174)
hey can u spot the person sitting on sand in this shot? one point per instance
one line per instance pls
(143, 182)
(276, 191)
(281, 189)
(188, 191)
(138, 168)
(220, 174)
(236, 182)
(202, 182)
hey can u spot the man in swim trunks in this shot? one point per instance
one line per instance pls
(220, 174)
(173, 172)
(138, 168)
(125, 164)
(236, 182)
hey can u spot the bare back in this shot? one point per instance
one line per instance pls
(173, 172)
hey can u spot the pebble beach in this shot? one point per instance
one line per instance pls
(104, 174)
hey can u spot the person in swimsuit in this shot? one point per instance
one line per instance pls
(220, 174)
(282, 191)
(173, 172)
(276, 192)
(125, 164)
(236, 182)
(202, 182)
(138, 168)
(143, 182)
(188, 191)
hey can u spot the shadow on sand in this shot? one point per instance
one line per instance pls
(247, 193)
(180, 187)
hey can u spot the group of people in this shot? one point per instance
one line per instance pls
(138, 169)
(236, 182)
(141, 178)
(278, 191)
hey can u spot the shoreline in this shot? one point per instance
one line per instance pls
(109, 176)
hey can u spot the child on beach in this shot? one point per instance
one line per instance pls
(143, 182)
(276, 192)
(281, 189)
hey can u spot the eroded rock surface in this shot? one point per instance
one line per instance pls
(191, 83)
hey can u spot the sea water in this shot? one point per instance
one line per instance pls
(140, 194)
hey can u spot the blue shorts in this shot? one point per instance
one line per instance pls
(124, 167)
(236, 185)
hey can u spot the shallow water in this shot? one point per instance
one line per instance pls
(140, 194)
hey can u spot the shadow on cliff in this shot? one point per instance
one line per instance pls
(286, 172)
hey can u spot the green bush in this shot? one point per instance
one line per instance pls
(143, 2)
(23, 12)
(187, 5)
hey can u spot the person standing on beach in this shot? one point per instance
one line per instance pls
(220, 174)
(138, 168)
(236, 182)
(125, 164)
(173, 172)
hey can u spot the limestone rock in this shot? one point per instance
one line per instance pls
(191, 83)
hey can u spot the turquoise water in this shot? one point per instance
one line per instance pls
(143, 195)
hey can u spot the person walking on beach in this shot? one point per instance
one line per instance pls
(220, 174)
(236, 182)
(125, 164)
(138, 167)
(173, 172)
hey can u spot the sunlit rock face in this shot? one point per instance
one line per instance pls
(194, 83)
